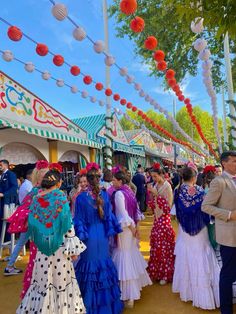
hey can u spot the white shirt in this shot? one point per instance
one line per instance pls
(25, 188)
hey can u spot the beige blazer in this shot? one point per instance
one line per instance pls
(219, 201)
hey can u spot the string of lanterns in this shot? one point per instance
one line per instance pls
(129, 7)
(16, 34)
(200, 45)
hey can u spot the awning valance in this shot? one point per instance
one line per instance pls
(127, 149)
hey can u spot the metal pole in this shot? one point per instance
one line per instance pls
(108, 161)
(175, 148)
(230, 86)
(192, 138)
(224, 119)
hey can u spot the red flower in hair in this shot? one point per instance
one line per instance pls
(42, 164)
(55, 166)
(116, 169)
(83, 172)
(209, 168)
(156, 166)
(92, 165)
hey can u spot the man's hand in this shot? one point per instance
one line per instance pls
(1, 194)
(233, 215)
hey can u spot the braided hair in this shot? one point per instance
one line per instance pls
(93, 180)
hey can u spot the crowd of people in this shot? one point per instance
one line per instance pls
(84, 248)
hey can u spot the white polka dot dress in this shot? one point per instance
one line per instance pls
(54, 288)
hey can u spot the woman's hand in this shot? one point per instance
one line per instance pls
(133, 230)
(74, 257)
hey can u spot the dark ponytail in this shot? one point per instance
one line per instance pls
(50, 179)
(93, 180)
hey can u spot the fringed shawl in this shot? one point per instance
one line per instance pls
(49, 220)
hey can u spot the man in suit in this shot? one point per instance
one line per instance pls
(220, 202)
(8, 188)
(139, 181)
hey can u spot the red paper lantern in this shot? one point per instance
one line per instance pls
(123, 102)
(14, 33)
(116, 97)
(161, 65)
(129, 105)
(58, 60)
(42, 49)
(87, 79)
(178, 93)
(134, 108)
(171, 82)
(150, 43)
(128, 7)
(99, 86)
(108, 92)
(137, 24)
(176, 88)
(159, 55)
(170, 74)
(181, 98)
(140, 113)
(187, 101)
(75, 70)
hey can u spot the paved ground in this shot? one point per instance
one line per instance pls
(155, 299)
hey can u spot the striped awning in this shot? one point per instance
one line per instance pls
(49, 134)
(128, 149)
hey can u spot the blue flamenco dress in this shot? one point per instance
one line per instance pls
(95, 271)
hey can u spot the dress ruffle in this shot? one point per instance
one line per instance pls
(73, 246)
(99, 286)
(112, 226)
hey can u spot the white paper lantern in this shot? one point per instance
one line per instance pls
(84, 94)
(141, 93)
(123, 71)
(200, 44)
(147, 98)
(152, 102)
(101, 103)
(130, 79)
(93, 99)
(59, 11)
(204, 55)
(207, 65)
(7, 55)
(29, 67)
(74, 89)
(109, 60)
(161, 109)
(79, 33)
(60, 83)
(197, 25)
(137, 86)
(99, 46)
(46, 75)
(206, 73)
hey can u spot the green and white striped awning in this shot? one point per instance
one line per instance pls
(128, 149)
(49, 134)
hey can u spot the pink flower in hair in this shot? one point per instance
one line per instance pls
(92, 165)
(41, 164)
(156, 166)
(116, 169)
(209, 168)
(190, 164)
(56, 166)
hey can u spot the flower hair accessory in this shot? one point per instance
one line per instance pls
(156, 166)
(55, 166)
(92, 165)
(83, 172)
(116, 169)
(209, 168)
(41, 164)
(190, 164)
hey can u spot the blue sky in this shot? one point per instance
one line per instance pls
(35, 19)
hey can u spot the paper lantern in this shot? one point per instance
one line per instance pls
(93, 99)
(129, 105)
(181, 98)
(7, 55)
(29, 67)
(75, 70)
(128, 7)
(99, 86)
(197, 25)
(109, 60)
(84, 94)
(147, 98)
(200, 44)
(176, 88)
(187, 101)
(141, 93)
(123, 71)
(79, 34)
(171, 82)
(161, 65)
(159, 55)
(130, 79)
(60, 83)
(108, 92)
(101, 103)
(87, 79)
(206, 65)
(46, 75)
(178, 93)
(150, 43)
(123, 101)
(14, 33)
(58, 60)
(204, 55)
(59, 11)
(99, 46)
(137, 24)
(137, 86)
(134, 108)
(116, 97)
(74, 89)
(170, 74)
(42, 49)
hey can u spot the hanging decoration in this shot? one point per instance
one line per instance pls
(99, 46)
(7, 56)
(14, 33)
(137, 24)
(58, 60)
(59, 11)
(29, 67)
(46, 75)
(42, 50)
(75, 70)
(128, 7)
(79, 33)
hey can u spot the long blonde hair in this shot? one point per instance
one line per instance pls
(37, 176)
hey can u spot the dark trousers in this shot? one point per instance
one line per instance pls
(227, 277)
(141, 201)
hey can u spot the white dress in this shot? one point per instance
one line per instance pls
(196, 275)
(127, 258)
(54, 288)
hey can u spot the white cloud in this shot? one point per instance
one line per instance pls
(140, 67)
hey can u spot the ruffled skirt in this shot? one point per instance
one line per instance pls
(196, 275)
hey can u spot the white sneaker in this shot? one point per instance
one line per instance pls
(129, 304)
(163, 282)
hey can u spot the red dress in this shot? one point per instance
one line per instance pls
(162, 240)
